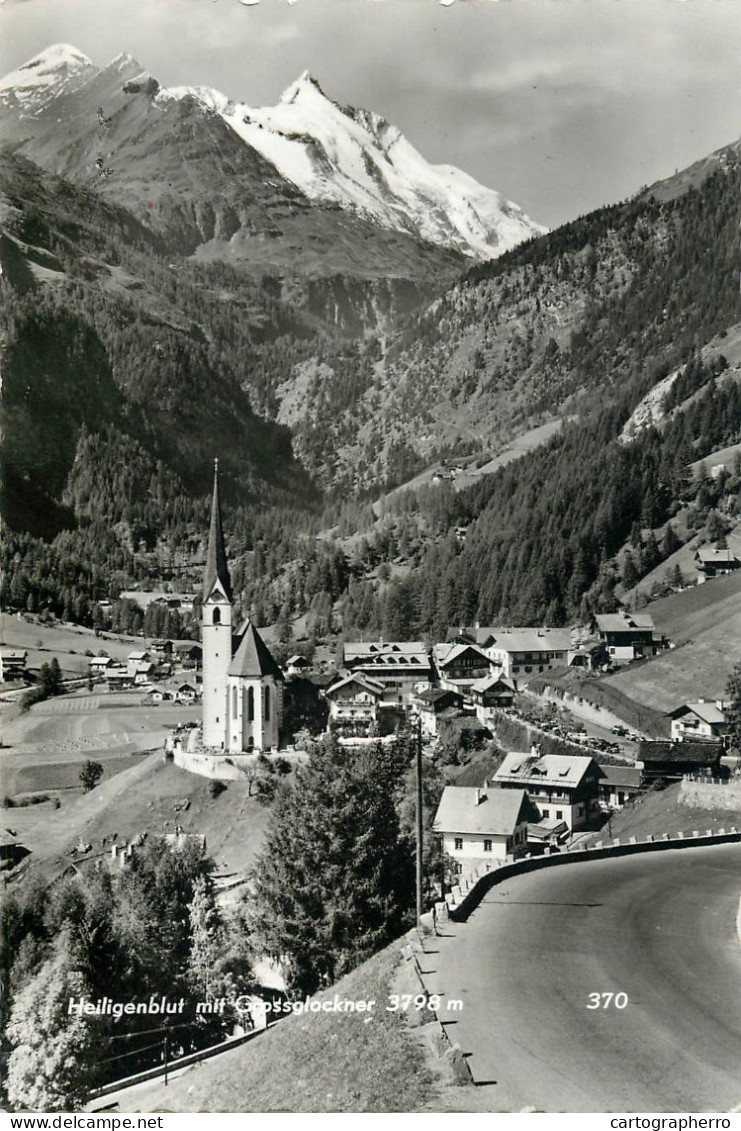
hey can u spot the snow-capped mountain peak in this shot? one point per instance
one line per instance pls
(355, 158)
(45, 76)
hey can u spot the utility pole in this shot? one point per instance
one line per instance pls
(167, 1050)
(419, 819)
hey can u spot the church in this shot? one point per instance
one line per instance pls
(242, 683)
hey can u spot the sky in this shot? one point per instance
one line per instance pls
(561, 105)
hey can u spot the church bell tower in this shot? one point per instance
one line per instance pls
(216, 628)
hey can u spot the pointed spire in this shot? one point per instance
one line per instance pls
(217, 569)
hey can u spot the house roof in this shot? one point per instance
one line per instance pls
(547, 828)
(710, 555)
(548, 769)
(101, 660)
(626, 777)
(435, 696)
(11, 654)
(492, 682)
(137, 655)
(706, 753)
(498, 811)
(529, 639)
(448, 653)
(409, 654)
(297, 659)
(363, 681)
(708, 712)
(217, 570)
(253, 658)
(624, 622)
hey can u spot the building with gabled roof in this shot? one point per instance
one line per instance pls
(353, 703)
(399, 665)
(480, 823)
(672, 760)
(435, 704)
(713, 562)
(523, 652)
(459, 665)
(562, 787)
(628, 636)
(242, 683)
(701, 719)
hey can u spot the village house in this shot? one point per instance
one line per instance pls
(701, 719)
(481, 824)
(628, 636)
(157, 695)
(143, 673)
(490, 694)
(186, 693)
(560, 787)
(134, 660)
(296, 665)
(117, 678)
(435, 704)
(618, 785)
(712, 562)
(402, 667)
(458, 666)
(13, 663)
(188, 654)
(672, 760)
(99, 665)
(522, 652)
(354, 702)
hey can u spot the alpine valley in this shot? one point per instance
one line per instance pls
(295, 290)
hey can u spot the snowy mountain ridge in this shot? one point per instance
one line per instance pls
(335, 154)
(360, 161)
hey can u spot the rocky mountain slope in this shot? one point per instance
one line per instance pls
(363, 237)
(363, 163)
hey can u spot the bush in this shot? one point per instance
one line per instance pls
(216, 788)
(90, 775)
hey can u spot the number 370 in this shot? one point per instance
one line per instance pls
(604, 1001)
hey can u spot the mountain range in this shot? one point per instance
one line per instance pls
(297, 290)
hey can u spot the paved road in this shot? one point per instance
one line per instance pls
(659, 928)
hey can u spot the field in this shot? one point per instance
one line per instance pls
(67, 642)
(705, 624)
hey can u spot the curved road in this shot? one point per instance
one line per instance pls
(660, 928)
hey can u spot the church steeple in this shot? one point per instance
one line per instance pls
(217, 569)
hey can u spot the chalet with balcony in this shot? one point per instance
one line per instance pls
(702, 719)
(490, 694)
(524, 652)
(458, 666)
(13, 662)
(711, 562)
(628, 636)
(354, 702)
(560, 787)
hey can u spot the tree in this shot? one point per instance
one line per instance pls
(334, 882)
(90, 775)
(733, 711)
(53, 1063)
(629, 572)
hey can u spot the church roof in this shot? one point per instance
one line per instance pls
(217, 569)
(253, 658)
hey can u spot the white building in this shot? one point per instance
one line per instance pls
(480, 823)
(701, 719)
(242, 683)
(560, 787)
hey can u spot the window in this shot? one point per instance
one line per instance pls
(458, 846)
(235, 702)
(267, 704)
(216, 618)
(546, 812)
(487, 846)
(250, 704)
(559, 814)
